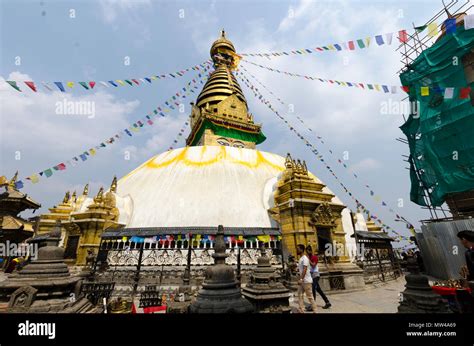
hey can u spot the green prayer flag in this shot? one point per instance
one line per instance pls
(361, 44)
(420, 28)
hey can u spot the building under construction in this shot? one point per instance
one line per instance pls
(439, 79)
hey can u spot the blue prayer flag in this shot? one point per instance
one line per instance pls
(379, 40)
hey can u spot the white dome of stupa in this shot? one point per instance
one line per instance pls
(202, 186)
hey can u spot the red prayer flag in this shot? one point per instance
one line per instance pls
(135, 81)
(402, 36)
(361, 85)
(92, 84)
(405, 88)
(60, 167)
(464, 93)
(351, 45)
(31, 85)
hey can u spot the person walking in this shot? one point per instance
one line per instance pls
(305, 280)
(467, 239)
(314, 270)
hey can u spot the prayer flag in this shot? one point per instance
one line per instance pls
(46, 85)
(425, 91)
(60, 86)
(420, 28)
(113, 83)
(33, 178)
(92, 84)
(83, 157)
(48, 172)
(13, 85)
(405, 88)
(402, 36)
(19, 184)
(432, 29)
(84, 85)
(126, 80)
(338, 47)
(450, 25)
(360, 42)
(70, 84)
(60, 167)
(367, 41)
(379, 40)
(448, 93)
(464, 93)
(469, 22)
(351, 45)
(388, 38)
(31, 85)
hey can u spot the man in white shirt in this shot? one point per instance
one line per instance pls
(305, 280)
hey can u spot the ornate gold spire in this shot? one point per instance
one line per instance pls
(113, 186)
(85, 192)
(220, 115)
(67, 197)
(100, 194)
(288, 161)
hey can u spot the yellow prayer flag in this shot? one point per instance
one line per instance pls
(92, 151)
(264, 238)
(70, 84)
(154, 77)
(367, 41)
(432, 29)
(124, 238)
(425, 91)
(134, 129)
(377, 87)
(121, 82)
(34, 178)
(331, 47)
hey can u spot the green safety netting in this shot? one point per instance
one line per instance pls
(229, 132)
(441, 137)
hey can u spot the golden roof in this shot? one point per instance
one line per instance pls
(222, 44)
(221, 83)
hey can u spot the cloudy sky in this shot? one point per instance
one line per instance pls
(90, 40)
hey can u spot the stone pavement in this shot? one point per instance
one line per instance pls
(375, 298)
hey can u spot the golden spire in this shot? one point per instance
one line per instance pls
(100, 194)
(74, 198)
(85, 192)
(67, 197)
(113, 186)
(13, 180)
(288, 161)
(305, 168)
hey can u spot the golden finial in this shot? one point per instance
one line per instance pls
(67, 197)
(13, 180)
(368, 217)
(305, 168)
(85, 192)
(100, 193)
(299, 167)
(113, 186)
(288, 161)
(74, 198)
(222, 33)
